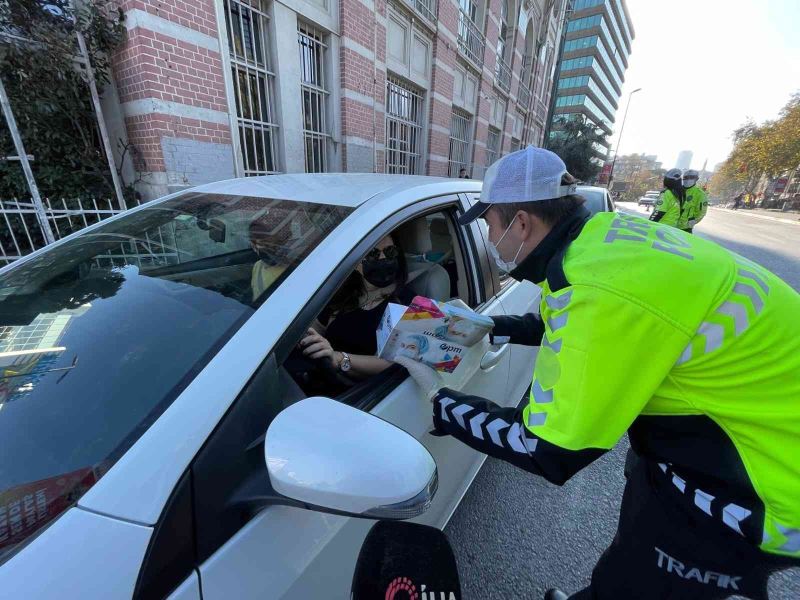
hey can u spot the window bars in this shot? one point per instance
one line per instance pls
(404, 108)
(314, 89)
(253, 83)
(460, 142)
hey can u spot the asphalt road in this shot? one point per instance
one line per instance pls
(515, 535)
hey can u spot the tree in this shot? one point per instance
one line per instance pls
(643, 181)
(573, 139)
(49, 94)
(767, 149)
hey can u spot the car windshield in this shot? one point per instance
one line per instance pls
(99, 335)
(595, 199)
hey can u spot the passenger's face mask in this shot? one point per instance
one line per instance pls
(381, 272)
(687, 183)
(506, 266)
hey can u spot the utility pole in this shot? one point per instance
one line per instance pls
(619, 139)
(41, 215)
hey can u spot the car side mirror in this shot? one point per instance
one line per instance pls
(334, 458)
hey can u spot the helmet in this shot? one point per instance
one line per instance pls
(690, 178)
(672, 177)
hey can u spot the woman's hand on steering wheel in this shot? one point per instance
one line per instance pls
(317, 347)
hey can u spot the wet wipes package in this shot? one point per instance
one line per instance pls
(435, 333)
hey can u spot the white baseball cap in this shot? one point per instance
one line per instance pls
(526, 175)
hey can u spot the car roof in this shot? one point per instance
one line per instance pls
(343, 189)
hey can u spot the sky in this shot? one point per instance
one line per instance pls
(704, 67)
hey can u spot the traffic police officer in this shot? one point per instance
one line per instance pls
(711, 505)
(669, 206)
(695, 206)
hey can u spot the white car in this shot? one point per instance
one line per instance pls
(143, 366)
(649, 198)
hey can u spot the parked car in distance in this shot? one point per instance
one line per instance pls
(649, 198)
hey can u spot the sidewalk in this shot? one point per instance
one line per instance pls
(763, 213)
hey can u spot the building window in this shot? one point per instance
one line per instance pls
(492, 146)
(581, 43)
(460, 142)
(314, 89)
(403, 127)
(504, 42)
(253, 84)
(515, 145)
(584, 23)
(581, 4)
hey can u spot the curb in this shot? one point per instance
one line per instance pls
(757, 216)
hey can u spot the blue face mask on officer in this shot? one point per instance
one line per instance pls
(504, 265)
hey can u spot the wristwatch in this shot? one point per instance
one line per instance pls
(345, 365)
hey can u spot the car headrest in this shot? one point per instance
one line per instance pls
(414, 237)
(441, 239)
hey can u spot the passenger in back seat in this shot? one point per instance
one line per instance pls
(269, 266)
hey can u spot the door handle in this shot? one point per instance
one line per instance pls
(490, 359)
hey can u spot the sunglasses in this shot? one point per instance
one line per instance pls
(390, 252)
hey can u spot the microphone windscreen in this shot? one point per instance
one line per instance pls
(405, 561)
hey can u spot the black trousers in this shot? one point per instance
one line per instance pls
(662, 550)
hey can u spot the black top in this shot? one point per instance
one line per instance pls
(354, 331)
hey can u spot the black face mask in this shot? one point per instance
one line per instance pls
(381, 272)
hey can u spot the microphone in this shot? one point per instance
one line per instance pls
(405, 561)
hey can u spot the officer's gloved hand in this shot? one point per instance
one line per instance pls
(428, 380)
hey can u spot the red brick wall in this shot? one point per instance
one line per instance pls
(146, 131)
(199, 15)
(359, 74)
(153, 65)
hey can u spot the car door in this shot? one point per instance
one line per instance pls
(291, 553)
(516, 298)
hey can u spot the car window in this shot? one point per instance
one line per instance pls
(99, 334)
(434, 265)
(595, 199)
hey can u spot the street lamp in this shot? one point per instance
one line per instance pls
(619, 139)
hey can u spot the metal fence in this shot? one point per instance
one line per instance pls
(21, 233)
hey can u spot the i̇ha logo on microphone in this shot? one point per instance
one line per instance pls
(402, 588)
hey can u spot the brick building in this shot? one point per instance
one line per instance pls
(212, 89)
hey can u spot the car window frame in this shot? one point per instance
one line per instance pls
(496, 281)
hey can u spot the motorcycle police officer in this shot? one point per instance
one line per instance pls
(710, 506)
(695, 206)
(669, 207)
